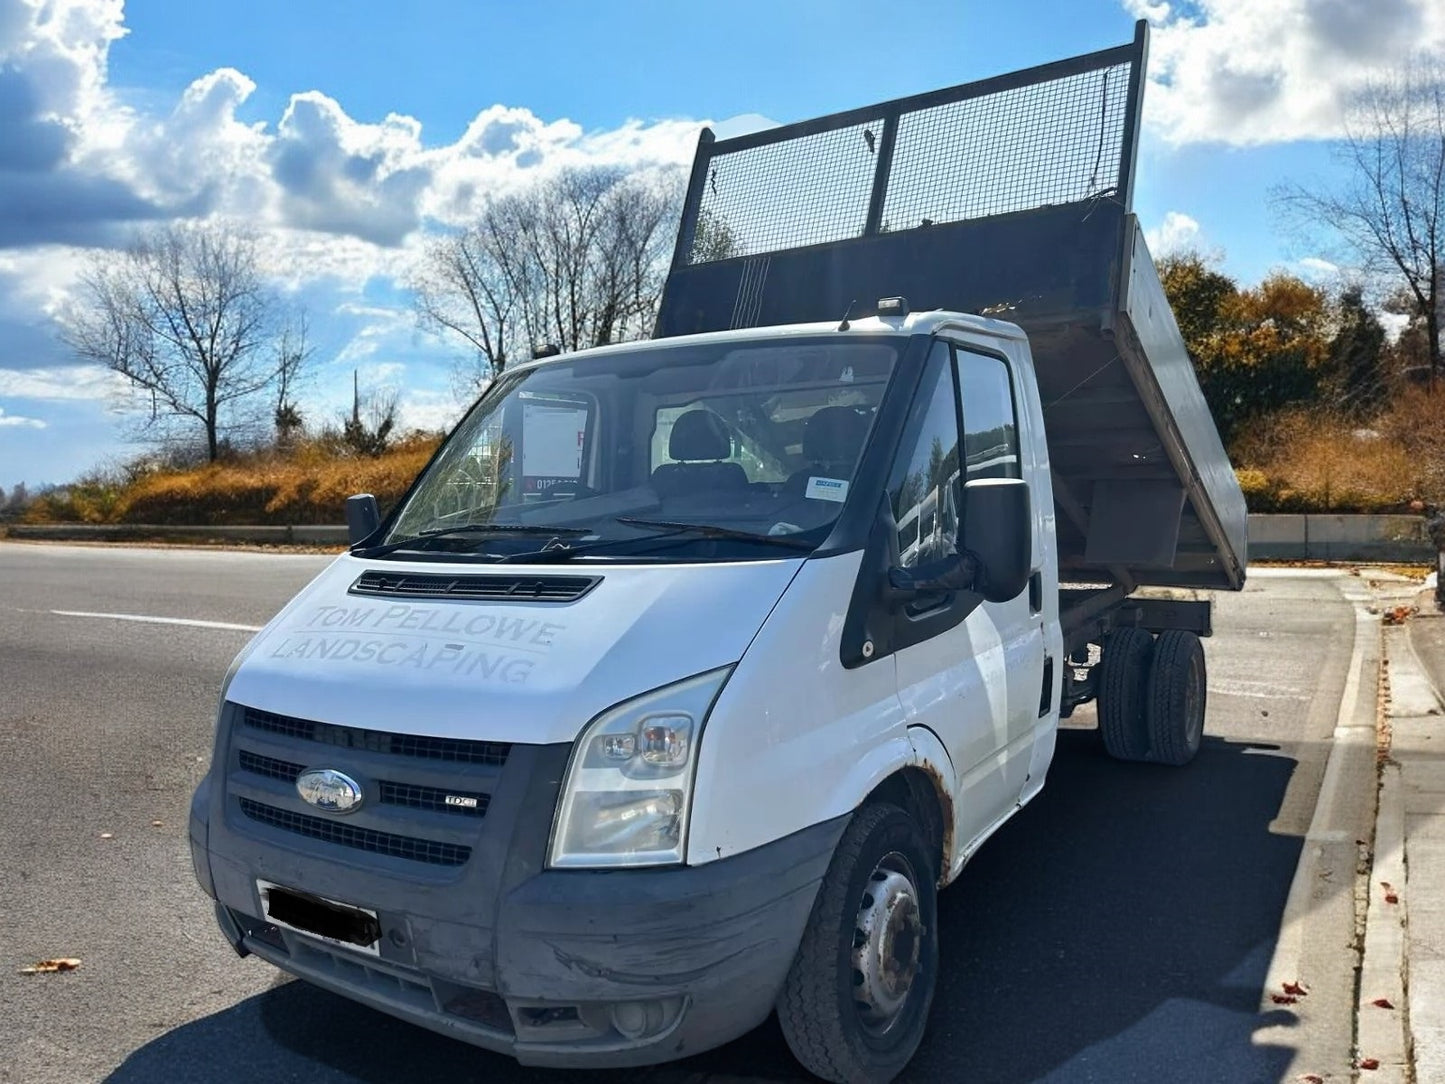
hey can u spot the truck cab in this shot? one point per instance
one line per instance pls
(557, 759)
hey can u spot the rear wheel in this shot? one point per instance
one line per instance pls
(855, 1004)
(1178, 693)
(1123, 693)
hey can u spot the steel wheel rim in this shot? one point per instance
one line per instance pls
(1193, 703)
(887, 949)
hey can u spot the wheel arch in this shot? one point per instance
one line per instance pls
(924, 788)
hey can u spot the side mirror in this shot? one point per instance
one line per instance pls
(363, 517)
(998, 534)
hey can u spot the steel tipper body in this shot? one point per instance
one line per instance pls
(1011, 197)
(688, 671)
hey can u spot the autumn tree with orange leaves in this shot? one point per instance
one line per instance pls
(1256, 350)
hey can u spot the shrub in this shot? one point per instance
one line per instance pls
(1318, 461)
(307, 485)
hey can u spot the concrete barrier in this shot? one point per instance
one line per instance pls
(299, 534)
(1271, 537)
(1340, 538)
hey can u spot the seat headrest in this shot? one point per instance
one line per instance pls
(834, 435)
(699, 434)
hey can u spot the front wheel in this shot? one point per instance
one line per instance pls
(855, 1004)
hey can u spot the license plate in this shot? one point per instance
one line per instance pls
(332, 921)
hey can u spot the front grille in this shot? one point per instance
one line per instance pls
(522, 588)
(270, 766)
(412, 796)
(363, 839)
(455, 750)
(433, 798)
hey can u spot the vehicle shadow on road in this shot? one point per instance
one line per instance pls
(1118, 929)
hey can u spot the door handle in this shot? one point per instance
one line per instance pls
(1036, 592)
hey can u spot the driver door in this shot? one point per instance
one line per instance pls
(973, 682)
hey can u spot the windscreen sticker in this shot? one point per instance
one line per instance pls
(827, 489)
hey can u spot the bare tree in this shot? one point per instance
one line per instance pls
(464, 290)
(577, 260)
(292, 355)
(1391, 212)
(367, 429)
(184, 314)
(713, 238)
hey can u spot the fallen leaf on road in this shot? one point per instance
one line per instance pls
(157, 824)
(1311, 1078)
(49, 967)
(1383, 1003)
(1283, 999)
(1390, 897)
(1295, 988)
(107, 835)
(1369, 1063)
(1398, 615)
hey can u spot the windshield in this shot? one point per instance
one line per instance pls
(623, 453)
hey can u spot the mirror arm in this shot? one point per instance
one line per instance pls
(957, 572)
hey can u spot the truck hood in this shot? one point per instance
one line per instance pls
(519, 671)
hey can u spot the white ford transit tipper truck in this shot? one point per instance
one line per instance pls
(689, 671)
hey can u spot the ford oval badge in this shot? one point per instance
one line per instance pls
(329, 790)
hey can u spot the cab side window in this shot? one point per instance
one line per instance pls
(990, 423)
(923, 487)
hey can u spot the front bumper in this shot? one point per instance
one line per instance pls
(567, 968)
(592, 969)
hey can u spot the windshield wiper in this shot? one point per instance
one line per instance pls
(667, 530)
(471, 528)
(709, 530)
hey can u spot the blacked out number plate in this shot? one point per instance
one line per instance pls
(339, 923)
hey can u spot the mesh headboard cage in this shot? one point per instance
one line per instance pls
(1062, 133)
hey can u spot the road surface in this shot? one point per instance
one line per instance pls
(1118, 929)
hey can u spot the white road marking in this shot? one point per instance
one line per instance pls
(1263, 690)
(189, 621)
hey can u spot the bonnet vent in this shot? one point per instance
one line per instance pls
(518, 588)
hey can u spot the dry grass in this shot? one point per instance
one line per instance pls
(1319, 461)
(308, 486)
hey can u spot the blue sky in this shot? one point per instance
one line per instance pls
(154, 108)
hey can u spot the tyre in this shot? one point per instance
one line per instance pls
(1123, 693)
(855, 1003)
(1178, 694)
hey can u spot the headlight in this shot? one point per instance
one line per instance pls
(628, 790)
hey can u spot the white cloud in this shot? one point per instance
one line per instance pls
(1394, 323)
(1177, 231)
(429, 410)
(62, 382)
(1315, 269)
(19, 422)
(743, 124)
(1247, 72)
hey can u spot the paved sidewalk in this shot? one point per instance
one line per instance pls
(1402, 994)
